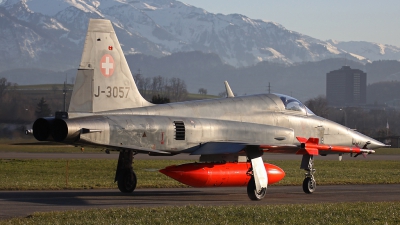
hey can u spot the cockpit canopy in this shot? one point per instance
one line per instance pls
(294, 104)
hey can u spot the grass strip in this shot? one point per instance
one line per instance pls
(33, 146)
(387, 151)
(332, 213)
(48, 174)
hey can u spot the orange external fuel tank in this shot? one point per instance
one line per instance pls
(219, 174)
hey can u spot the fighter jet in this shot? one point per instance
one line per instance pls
(230, 134)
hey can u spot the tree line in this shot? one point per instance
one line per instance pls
(158, 87)
(21, 107)
(13, 104)
(372, 122)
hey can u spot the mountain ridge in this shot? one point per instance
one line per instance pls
(206, 70)
(37, 35)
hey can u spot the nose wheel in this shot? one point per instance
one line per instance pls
(309, 184)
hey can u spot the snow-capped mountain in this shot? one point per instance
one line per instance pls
(50, 34)
(369, 50)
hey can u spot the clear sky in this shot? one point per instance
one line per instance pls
(343, 20)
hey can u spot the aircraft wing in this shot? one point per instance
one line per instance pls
(212, 148)
(306, 146)
(136, 149)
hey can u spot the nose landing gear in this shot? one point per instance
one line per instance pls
(309, 184)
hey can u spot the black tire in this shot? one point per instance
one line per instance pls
(309, 185)
(127, 181)
(252, 192)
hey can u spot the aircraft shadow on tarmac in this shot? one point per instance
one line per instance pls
(19, 203)
(83, 198)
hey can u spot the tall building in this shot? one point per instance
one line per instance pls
(346, 87)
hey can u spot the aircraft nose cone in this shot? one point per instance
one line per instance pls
(363, 139)
(376, 144)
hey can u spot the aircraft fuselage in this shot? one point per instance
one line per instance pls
(183, 126)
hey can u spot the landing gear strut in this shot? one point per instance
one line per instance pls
(252, 191)
(125, 176)
(257, 186)
(309, 184)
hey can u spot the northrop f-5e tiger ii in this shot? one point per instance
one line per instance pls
(229, 134)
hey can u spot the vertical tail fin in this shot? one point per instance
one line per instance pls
(104, 81)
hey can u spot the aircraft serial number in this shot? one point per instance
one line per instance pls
(113, 92)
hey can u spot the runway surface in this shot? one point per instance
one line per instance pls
(24, 203)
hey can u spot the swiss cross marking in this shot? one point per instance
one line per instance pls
(107, 65)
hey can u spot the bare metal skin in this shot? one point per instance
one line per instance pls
(107, 111)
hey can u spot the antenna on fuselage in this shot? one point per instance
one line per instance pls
(229, 93)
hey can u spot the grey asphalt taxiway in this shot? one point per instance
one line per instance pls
(24, 203)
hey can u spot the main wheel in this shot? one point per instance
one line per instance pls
(309, 185)
(252, 191)
(127, 181)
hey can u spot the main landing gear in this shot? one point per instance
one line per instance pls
(125, 176)
(257, 186)
(252, 191)
(309, 184)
